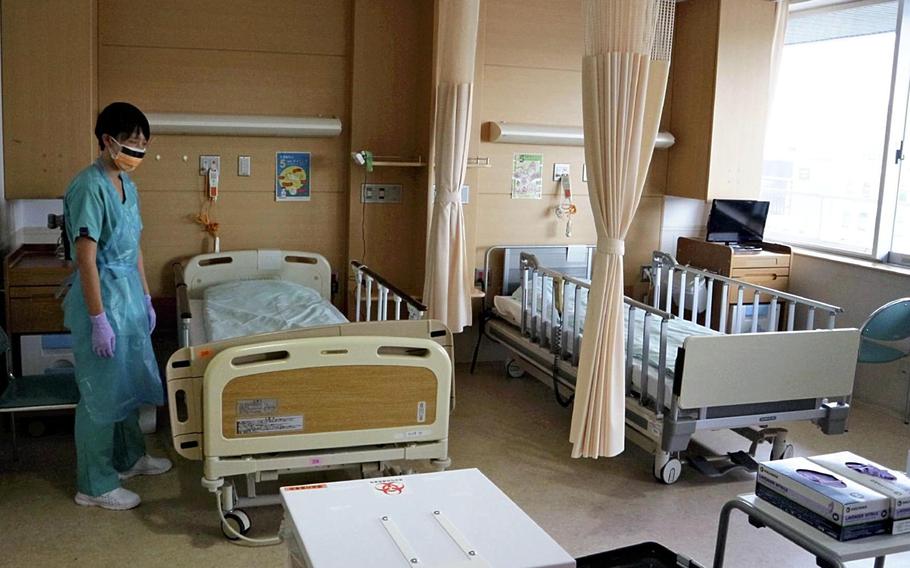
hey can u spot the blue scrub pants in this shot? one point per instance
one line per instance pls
(103, 450)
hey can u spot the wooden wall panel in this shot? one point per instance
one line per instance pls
(695, 50)
(213, 56)
(248, 220)
(741, 99)
(529, 71)
(390, 116)
(529, 94)
(47, 49)
(280, 26)
(498, 179)
(230, 82)
(329, 162)
(544, 35)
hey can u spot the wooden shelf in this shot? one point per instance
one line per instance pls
(399, 164)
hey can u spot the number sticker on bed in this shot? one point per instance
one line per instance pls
(422, 411)
(256, 406)
(269, 424)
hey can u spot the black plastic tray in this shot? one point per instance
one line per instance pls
(644, 555)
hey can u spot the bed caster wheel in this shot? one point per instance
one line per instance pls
(669, 473)
(237, 520)
(514, 370)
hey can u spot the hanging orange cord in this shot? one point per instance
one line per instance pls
(208, 224)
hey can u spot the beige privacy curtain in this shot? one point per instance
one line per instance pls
(447, 284)
(624, 78)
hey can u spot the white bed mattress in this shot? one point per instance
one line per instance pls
(250, 307)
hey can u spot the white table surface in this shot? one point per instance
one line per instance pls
(351, 523)
(870, 547)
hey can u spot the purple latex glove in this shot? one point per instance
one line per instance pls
(103, 340)
(150, 311)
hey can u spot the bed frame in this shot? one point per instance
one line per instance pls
(745, 382)
(337, 396)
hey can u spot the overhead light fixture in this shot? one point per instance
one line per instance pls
(243, 125)
(523, 133)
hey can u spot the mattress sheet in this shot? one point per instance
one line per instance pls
(249, 307)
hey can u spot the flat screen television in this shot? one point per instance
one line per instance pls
(737, 221)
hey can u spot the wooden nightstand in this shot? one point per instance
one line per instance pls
(33, 275)
(770, 267)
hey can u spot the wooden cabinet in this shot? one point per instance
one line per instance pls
(719, 97)
(33, 275)
(49, 100)
(769, 267)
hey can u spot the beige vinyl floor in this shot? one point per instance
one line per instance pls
(512, 430)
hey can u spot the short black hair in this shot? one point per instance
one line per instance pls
(121, 119)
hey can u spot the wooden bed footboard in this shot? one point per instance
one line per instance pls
(334, 386)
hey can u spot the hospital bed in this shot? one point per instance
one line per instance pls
(688, 367)
(257, 391)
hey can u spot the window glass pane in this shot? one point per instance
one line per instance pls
(901, 241)
(826, 131)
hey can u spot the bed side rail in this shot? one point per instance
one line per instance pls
(553, 308)
(364, 280)
(668, 277)
(183, 305)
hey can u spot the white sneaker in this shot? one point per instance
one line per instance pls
(147, 465)
(119, 499)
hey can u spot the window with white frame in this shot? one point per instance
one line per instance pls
(840, 102)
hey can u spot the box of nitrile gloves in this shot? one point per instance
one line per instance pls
(835, 505)
(891, 483)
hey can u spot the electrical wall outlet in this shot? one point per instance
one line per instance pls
(207, 162)
(244, 166)
(380, 193)
(559, 170)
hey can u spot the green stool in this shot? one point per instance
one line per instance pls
(880, 335)
(31, 393)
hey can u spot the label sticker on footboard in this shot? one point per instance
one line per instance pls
(269, 424)
(422, 411)
(257, 406)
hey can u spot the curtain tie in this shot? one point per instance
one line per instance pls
(607, 245)
(447, 197)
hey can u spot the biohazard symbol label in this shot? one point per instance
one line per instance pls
(390, 488)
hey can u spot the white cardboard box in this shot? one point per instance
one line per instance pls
(870, 474)
(451, 519)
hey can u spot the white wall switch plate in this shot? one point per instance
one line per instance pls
(584, 173)
(206, 162)
(559, 170)
(380, 193)
(243, 166)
